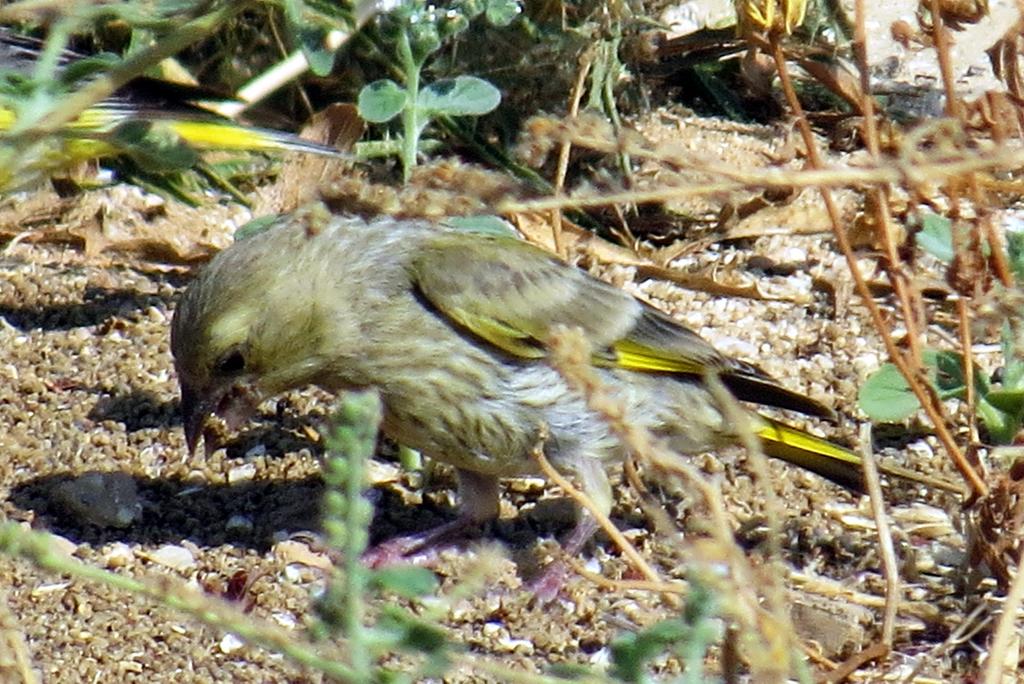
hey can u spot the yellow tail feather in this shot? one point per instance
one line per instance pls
(200, 131)
(831, 461)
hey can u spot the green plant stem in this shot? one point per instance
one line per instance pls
(410, 459)
(410, 113)
(49, 58)
(38, 548)
(350, 442)
(364, 410)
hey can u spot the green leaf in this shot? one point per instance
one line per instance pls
(87, 67)
(503, 12)
(689, 638)
(424, 36)
(461, 96)
(411, 632)
(153, 146)
(1013, 353)
(1015, 253)
(946, 373)
(381, 101)
(631, 652)
(452, 25)
(1002, 426)
(886, 397)
(936, 237)
(407, 581)
(320, 59)
(471, 9)
(309, 28)
(256, 226)
(1007, 400)
(484, 224)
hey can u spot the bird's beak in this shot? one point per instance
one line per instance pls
(195, 410)
(234, 404)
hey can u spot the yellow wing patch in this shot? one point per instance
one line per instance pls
(502, 335)
(639, 357)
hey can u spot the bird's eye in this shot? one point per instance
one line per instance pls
(230, 363)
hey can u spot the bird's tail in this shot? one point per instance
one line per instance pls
(829, 460)
(108, 129)
(209, 132)
(181, 108)
(199, 129)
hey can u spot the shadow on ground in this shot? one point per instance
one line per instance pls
(98, 306)
(251, 514)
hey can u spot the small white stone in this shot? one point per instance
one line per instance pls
(239, 523)
(601, 657)
(527, 485)
(493, 629)
(510, 645)
(118, 555)
(50, 588)
(292, 572)
(173, 556)
(460, 610)
(242, 473)
(63, 544)
(380, 472)
(293, 552)
(793, 253)
(230, 644)
(286, 620)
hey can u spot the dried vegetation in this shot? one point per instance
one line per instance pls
(795, 242)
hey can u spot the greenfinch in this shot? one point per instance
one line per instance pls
(452, 329)
(153, 120)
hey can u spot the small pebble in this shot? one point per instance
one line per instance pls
(230, 644)
(118, 555)
(173, 556)
(104, 499)
(239, 524)
(242, 473)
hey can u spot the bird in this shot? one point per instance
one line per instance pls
(452, 329)
(143, 119)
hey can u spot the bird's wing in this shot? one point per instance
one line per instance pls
(513, 295)
(657, 343)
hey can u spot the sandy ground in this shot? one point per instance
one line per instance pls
(88, 387)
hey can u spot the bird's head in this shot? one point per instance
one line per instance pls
(245, 330)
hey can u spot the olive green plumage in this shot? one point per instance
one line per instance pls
(450, 327)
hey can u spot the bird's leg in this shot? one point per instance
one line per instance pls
(594, 480)
(479, 503)
(545, 587)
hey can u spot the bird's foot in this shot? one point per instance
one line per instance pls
(421, 548)
(546, 586)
